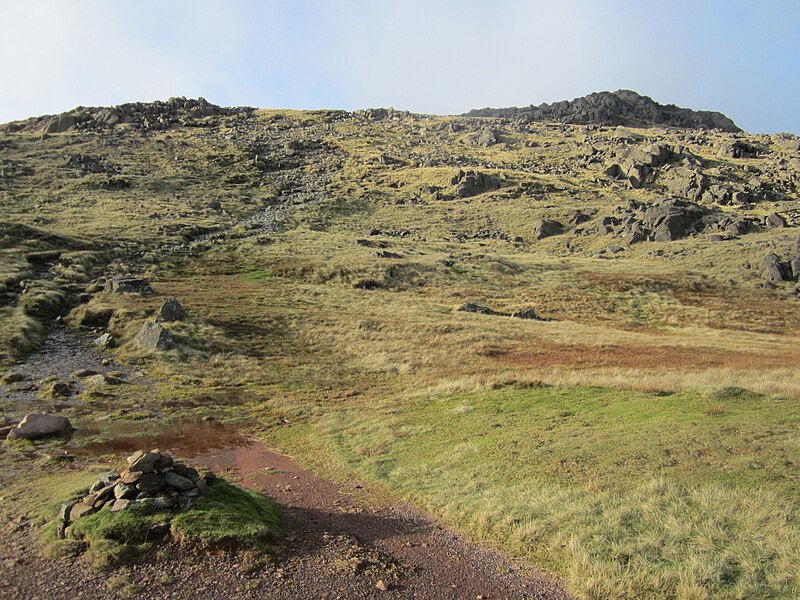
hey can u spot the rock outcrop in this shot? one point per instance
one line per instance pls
(623, 107)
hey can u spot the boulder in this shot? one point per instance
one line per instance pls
(153, 336)
(775, 220)
(61, 124)
(129, 285)
(170, 311)
(37, 425)
(772, 270)
(546, 228)
(472, 183)
(673, 219)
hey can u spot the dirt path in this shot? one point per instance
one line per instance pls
(356, 543)
(341, 544)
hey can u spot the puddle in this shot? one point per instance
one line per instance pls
(185, 438)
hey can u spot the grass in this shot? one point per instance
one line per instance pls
(625, 495)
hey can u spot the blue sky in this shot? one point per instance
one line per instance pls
(446, 56)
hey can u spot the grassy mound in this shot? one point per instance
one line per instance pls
(227, 516)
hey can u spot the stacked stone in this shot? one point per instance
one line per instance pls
(150, 479)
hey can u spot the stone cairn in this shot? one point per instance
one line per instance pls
(149, 480)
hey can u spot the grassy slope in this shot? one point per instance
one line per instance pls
(623, 491)
(625, 495)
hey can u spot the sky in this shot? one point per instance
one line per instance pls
(739, 57)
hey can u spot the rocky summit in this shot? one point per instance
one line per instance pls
(623, 107)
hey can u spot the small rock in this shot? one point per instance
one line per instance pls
(105, 341)
(178, 482)
(382, 586)
(81, 510)
(59, 389)
(129, 285)
(120, 504)
(142, 461)
(475, 308)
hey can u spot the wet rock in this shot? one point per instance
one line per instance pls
(153, 336)
(37, 425)
(129, 285)
(170, 311)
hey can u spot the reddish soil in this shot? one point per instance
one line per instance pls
(579, 356)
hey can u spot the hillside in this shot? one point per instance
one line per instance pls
(569, 331)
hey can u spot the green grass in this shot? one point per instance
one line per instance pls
(625, 495)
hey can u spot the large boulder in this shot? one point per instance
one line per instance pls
(37, 425)
(153, 336)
